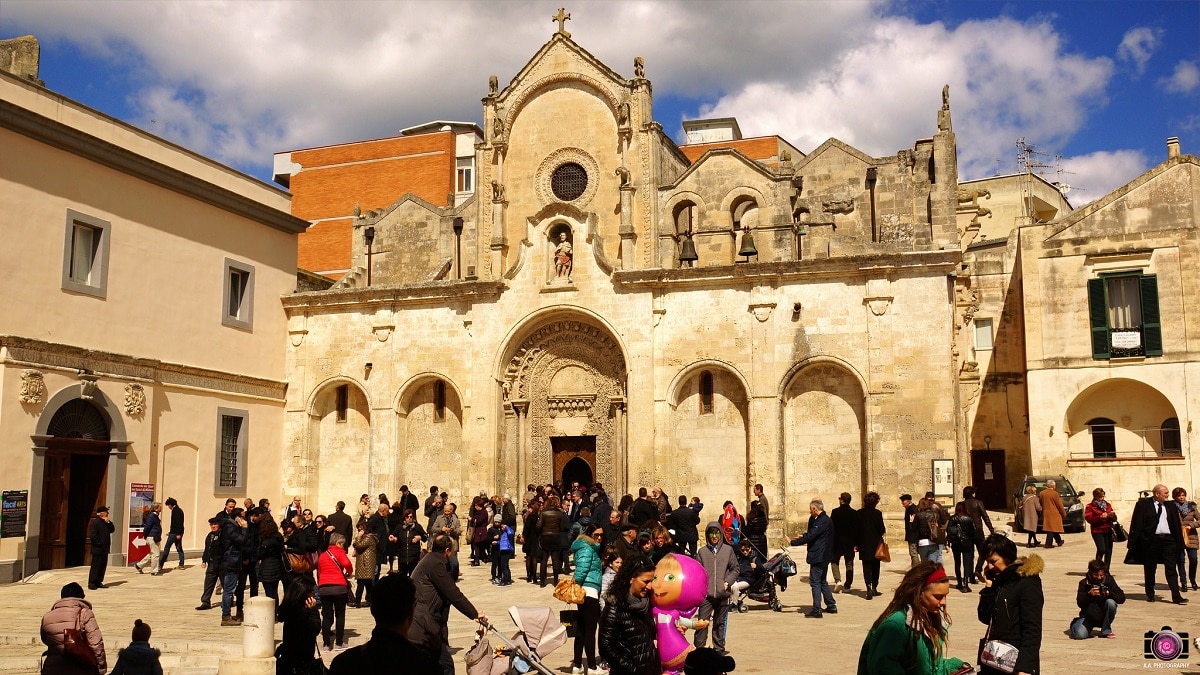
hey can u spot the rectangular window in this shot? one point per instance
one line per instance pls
(343, 402)
(85, 255)
(1124, 315)
(983, 334)
(466, 174)
(232, 433)
(238, 306)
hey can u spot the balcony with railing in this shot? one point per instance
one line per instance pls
(1108, 441)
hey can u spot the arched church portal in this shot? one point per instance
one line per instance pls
(564, 386)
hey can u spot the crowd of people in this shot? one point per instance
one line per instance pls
(401, 559)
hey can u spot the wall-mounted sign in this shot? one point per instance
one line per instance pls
(14, 513)
(943, 478)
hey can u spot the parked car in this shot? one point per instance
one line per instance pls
(1072, 501)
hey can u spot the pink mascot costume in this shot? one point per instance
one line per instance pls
(680, 585)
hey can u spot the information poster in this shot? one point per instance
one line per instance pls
(943, 478)
(141, 495)
(14, 513)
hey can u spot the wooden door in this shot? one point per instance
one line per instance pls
(567, 448)
(74, 484)
(987, 475)
(56, 480)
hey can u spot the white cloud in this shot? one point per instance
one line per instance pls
(1138, 45)
(1095, 174)
(1007, 80)
(1184, 80)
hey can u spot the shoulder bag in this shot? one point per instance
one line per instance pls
(997, 654)
(1118, 532)
(882, 552)
(339, 565)
(298, 563)
(76, 647)
(569, 592)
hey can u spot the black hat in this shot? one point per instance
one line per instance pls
(71, 590)
(102, 509)
(708, 661)
(214, 521)
(906, 496)
(929, 494)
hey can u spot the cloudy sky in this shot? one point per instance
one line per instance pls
(1100, 83)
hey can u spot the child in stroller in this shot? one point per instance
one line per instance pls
(758, 579)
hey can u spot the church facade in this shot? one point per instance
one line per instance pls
(608, 308)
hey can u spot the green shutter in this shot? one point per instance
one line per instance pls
(1098, 313)
(1152, 343)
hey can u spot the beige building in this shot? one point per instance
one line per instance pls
(553, 326)
(146, 343)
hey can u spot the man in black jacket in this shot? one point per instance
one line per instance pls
(910, 528)
(100, 532)
(342, 523)
(643, 509)
(845, 530)
(392, 603)
(1155, 538)
(435, 590)
(979, 515)
(233, 538)
(684, 524)
(819, 539)
(175, 534)
(378, 524)
(1097, 596)
(211, 562)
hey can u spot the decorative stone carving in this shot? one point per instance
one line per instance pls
(135, 400)
(493, 85)
(578, 404)
(762, 311)
(964, 195)
(33, 387)
(564, 257)
(558, 158)
(296, 337)
(639, 67)
(623, 114)
(87, 386)
(562, 17)
(878, 306)
(623, 174)
(838, 205)
(382, 333)
(944, 113)
(498, 195)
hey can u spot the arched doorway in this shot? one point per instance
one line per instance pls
(578, 470)
(564, 389)
(74, 483)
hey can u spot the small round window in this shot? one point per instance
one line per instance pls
(569, 181)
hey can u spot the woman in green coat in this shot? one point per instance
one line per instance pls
(908, 638)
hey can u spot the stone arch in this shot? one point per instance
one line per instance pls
(1137, 410)
(690, 370)
(429, 443)
(340, 446)
(669, 207)
(563, 375)
(596, 86)
(705, 434)
(739, 194)
(824, 434)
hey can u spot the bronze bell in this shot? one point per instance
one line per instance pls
(687, 252)
(748, 248)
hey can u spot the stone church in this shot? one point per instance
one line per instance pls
(611, 306)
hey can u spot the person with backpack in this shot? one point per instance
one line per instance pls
(931, 536)
(961, 535)
(72, 613)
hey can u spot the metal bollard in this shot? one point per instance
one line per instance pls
(258, 639)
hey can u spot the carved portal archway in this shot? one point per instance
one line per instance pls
(565, 379)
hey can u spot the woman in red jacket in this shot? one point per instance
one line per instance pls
(1100, 515)
(333, 585)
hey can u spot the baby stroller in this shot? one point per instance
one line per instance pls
(538, 633)
(775, 573)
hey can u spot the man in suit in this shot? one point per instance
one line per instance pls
(1156, 538)
(100, 532)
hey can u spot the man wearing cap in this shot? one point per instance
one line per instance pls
(910, 528)
(211, 562)
(100, 532)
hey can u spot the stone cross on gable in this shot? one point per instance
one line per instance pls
(562, 17)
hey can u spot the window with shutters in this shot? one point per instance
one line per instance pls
(85, 255)
(1104, 437)
(706, 393)
(1123, 309)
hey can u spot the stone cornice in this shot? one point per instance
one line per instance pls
(81, 144)
(928, 262)
(30, 352)
(429, 292)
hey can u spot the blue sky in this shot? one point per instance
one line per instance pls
(1101, 83)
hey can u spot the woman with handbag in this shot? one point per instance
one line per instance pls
(297, 653)
(333, 582)
(909, 638)
(589, 572)
(1011, 605)
(365, 545)
(270, 557)
(1100, 516)
(1190, 521)
(74, 645)
(870, 537)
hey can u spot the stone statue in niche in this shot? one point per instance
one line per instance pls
(497, 191)
(623, 114)
(498, 127)
(564, 256)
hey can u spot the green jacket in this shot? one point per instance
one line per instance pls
(888, 651)
(588, 570)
